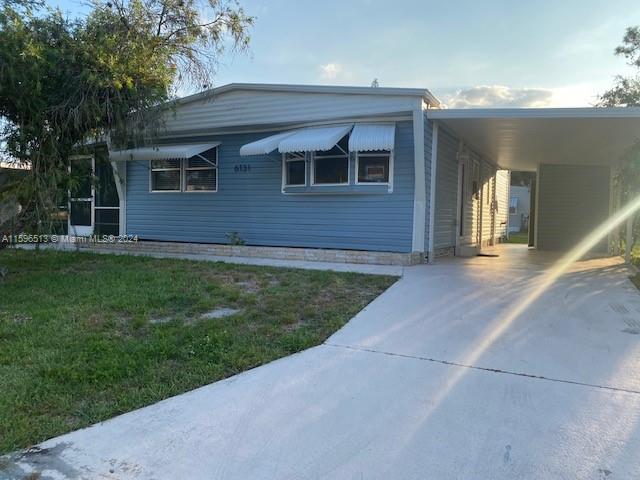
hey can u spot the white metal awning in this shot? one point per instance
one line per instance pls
(372, 136)
(162, 152)
(304, 140)
(313, 139)
(265, 145)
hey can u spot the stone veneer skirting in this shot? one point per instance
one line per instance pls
(279, 253)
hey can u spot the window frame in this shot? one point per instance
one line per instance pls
(389, 182)
(183, 174)
(347, 157)
(286, 160)
(151, 170)
(213, 167)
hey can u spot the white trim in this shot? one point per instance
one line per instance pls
(286, 160)
(313, 170)
(389, 168)
(432, 192)
(213, 167)
(584, 112)
(419, 192)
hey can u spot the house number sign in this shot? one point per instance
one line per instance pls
(243, 167)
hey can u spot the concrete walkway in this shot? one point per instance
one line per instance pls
(433, 380)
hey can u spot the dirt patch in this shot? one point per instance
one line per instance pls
(161, 320)
(249, 285)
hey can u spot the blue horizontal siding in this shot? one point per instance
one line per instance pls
(446, 190)
(252, 204)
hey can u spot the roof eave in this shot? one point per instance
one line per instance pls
(542, 113)
(423, 93)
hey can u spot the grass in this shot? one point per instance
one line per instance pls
(518, 237)
(84, 337)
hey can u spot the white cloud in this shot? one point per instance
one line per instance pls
(330, 71)
(500, 96)
(579, 95)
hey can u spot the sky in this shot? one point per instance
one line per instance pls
(469, 53)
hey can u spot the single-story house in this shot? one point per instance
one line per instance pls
(519, 208)
(353, 173)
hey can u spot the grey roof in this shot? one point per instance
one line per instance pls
(339, 89)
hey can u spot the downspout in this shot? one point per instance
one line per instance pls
(432, 192)
(419, 191)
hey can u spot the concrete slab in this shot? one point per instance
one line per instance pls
(581, 330)
(384, 399)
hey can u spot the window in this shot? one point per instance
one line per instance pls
(295, 170)
(332, 167)
(373, 167)
(201, 172)
(165, 175)
(513, 205)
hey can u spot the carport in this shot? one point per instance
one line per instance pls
(574, 152)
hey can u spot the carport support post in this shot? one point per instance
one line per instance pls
(629, 240)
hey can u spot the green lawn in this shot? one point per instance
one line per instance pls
(84, 337)
(518, 237)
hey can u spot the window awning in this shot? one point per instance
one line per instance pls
(313, 139)
(162, 152)
(372, 136)
(304, 140)
(265, 145)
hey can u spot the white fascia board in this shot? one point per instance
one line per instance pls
(514, 113)
(419, 191)
(423, 93)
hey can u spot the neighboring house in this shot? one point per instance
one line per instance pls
(519, 208)
(381, 171)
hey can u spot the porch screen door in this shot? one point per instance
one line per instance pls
(81, 196)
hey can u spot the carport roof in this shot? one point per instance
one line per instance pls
(523, 138)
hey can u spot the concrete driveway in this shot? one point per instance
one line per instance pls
(430, 381)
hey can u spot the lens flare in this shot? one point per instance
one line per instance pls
(541, 285)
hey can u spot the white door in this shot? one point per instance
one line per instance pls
(81, 196)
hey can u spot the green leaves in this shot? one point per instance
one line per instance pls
(64, 81)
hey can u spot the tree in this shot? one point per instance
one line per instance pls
(626, 93)
(65, 82)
